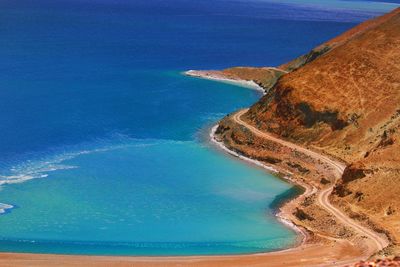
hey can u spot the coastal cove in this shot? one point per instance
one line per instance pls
(108, 152)
(209, 193)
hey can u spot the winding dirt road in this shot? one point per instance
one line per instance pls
(378, 242)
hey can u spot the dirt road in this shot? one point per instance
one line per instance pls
(378, 242)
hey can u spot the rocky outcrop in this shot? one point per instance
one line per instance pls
(279, 113)
(353, 172)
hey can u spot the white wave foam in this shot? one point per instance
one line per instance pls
(4, 207)
(35, 172)
(33, 169)
(40, 167)
(47, 162)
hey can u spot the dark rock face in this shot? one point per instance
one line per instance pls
(310, 117)
(325, 181)
(298, 167)
(359, 196)
(280, 113)
(386, 140)
(221, 129)
(307, 58)
(352, 173)
(302, 215)
(341, 191)
(270, 160)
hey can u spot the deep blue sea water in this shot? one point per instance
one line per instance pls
(103, 143)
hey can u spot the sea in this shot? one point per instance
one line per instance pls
(104, 143)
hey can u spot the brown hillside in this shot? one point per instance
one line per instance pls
(347, 103)
(335, 42)
(268, 76)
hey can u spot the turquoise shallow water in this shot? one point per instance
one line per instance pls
(152, 197)
(102, 140)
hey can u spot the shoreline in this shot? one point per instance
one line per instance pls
(214, 76)
(309, 188)
(280, 215)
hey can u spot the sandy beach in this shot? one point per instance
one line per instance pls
(306, 255)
